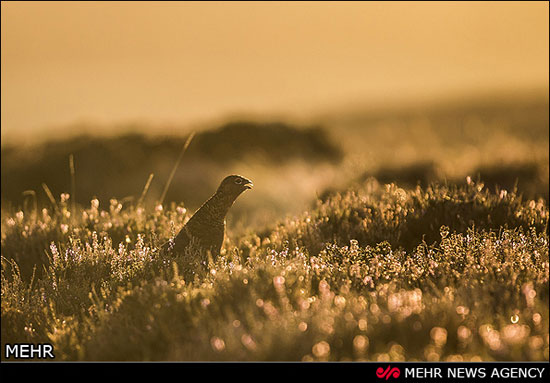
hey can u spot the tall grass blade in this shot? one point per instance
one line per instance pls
(50, 197)
(31, 193)
(187, 142)
(145, 189)
(73, 187)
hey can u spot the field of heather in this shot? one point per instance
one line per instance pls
(403, 237)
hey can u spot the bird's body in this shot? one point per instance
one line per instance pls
(205, 230)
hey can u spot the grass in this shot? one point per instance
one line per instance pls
(431, 244)
(377, 273)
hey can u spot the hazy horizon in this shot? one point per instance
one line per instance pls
(188, 63)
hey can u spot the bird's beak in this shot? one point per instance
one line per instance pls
(248, 184)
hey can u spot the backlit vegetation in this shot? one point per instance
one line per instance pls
(400, 237)
(376, 274)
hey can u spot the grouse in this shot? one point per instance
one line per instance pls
(205, 229)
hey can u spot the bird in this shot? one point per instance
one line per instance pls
(205, 230)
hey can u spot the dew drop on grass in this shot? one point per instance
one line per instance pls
(218, 344)
(321, 349)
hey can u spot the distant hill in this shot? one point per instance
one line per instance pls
(118, 167)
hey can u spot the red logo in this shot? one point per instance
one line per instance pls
(388, 372)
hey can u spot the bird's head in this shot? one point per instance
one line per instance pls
(234, 185)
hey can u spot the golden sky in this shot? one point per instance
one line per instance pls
(158, 62)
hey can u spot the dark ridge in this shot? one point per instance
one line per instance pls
(119, 167)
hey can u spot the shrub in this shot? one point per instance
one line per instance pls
(442, 273)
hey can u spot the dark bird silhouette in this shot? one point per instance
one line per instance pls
(206, 228)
